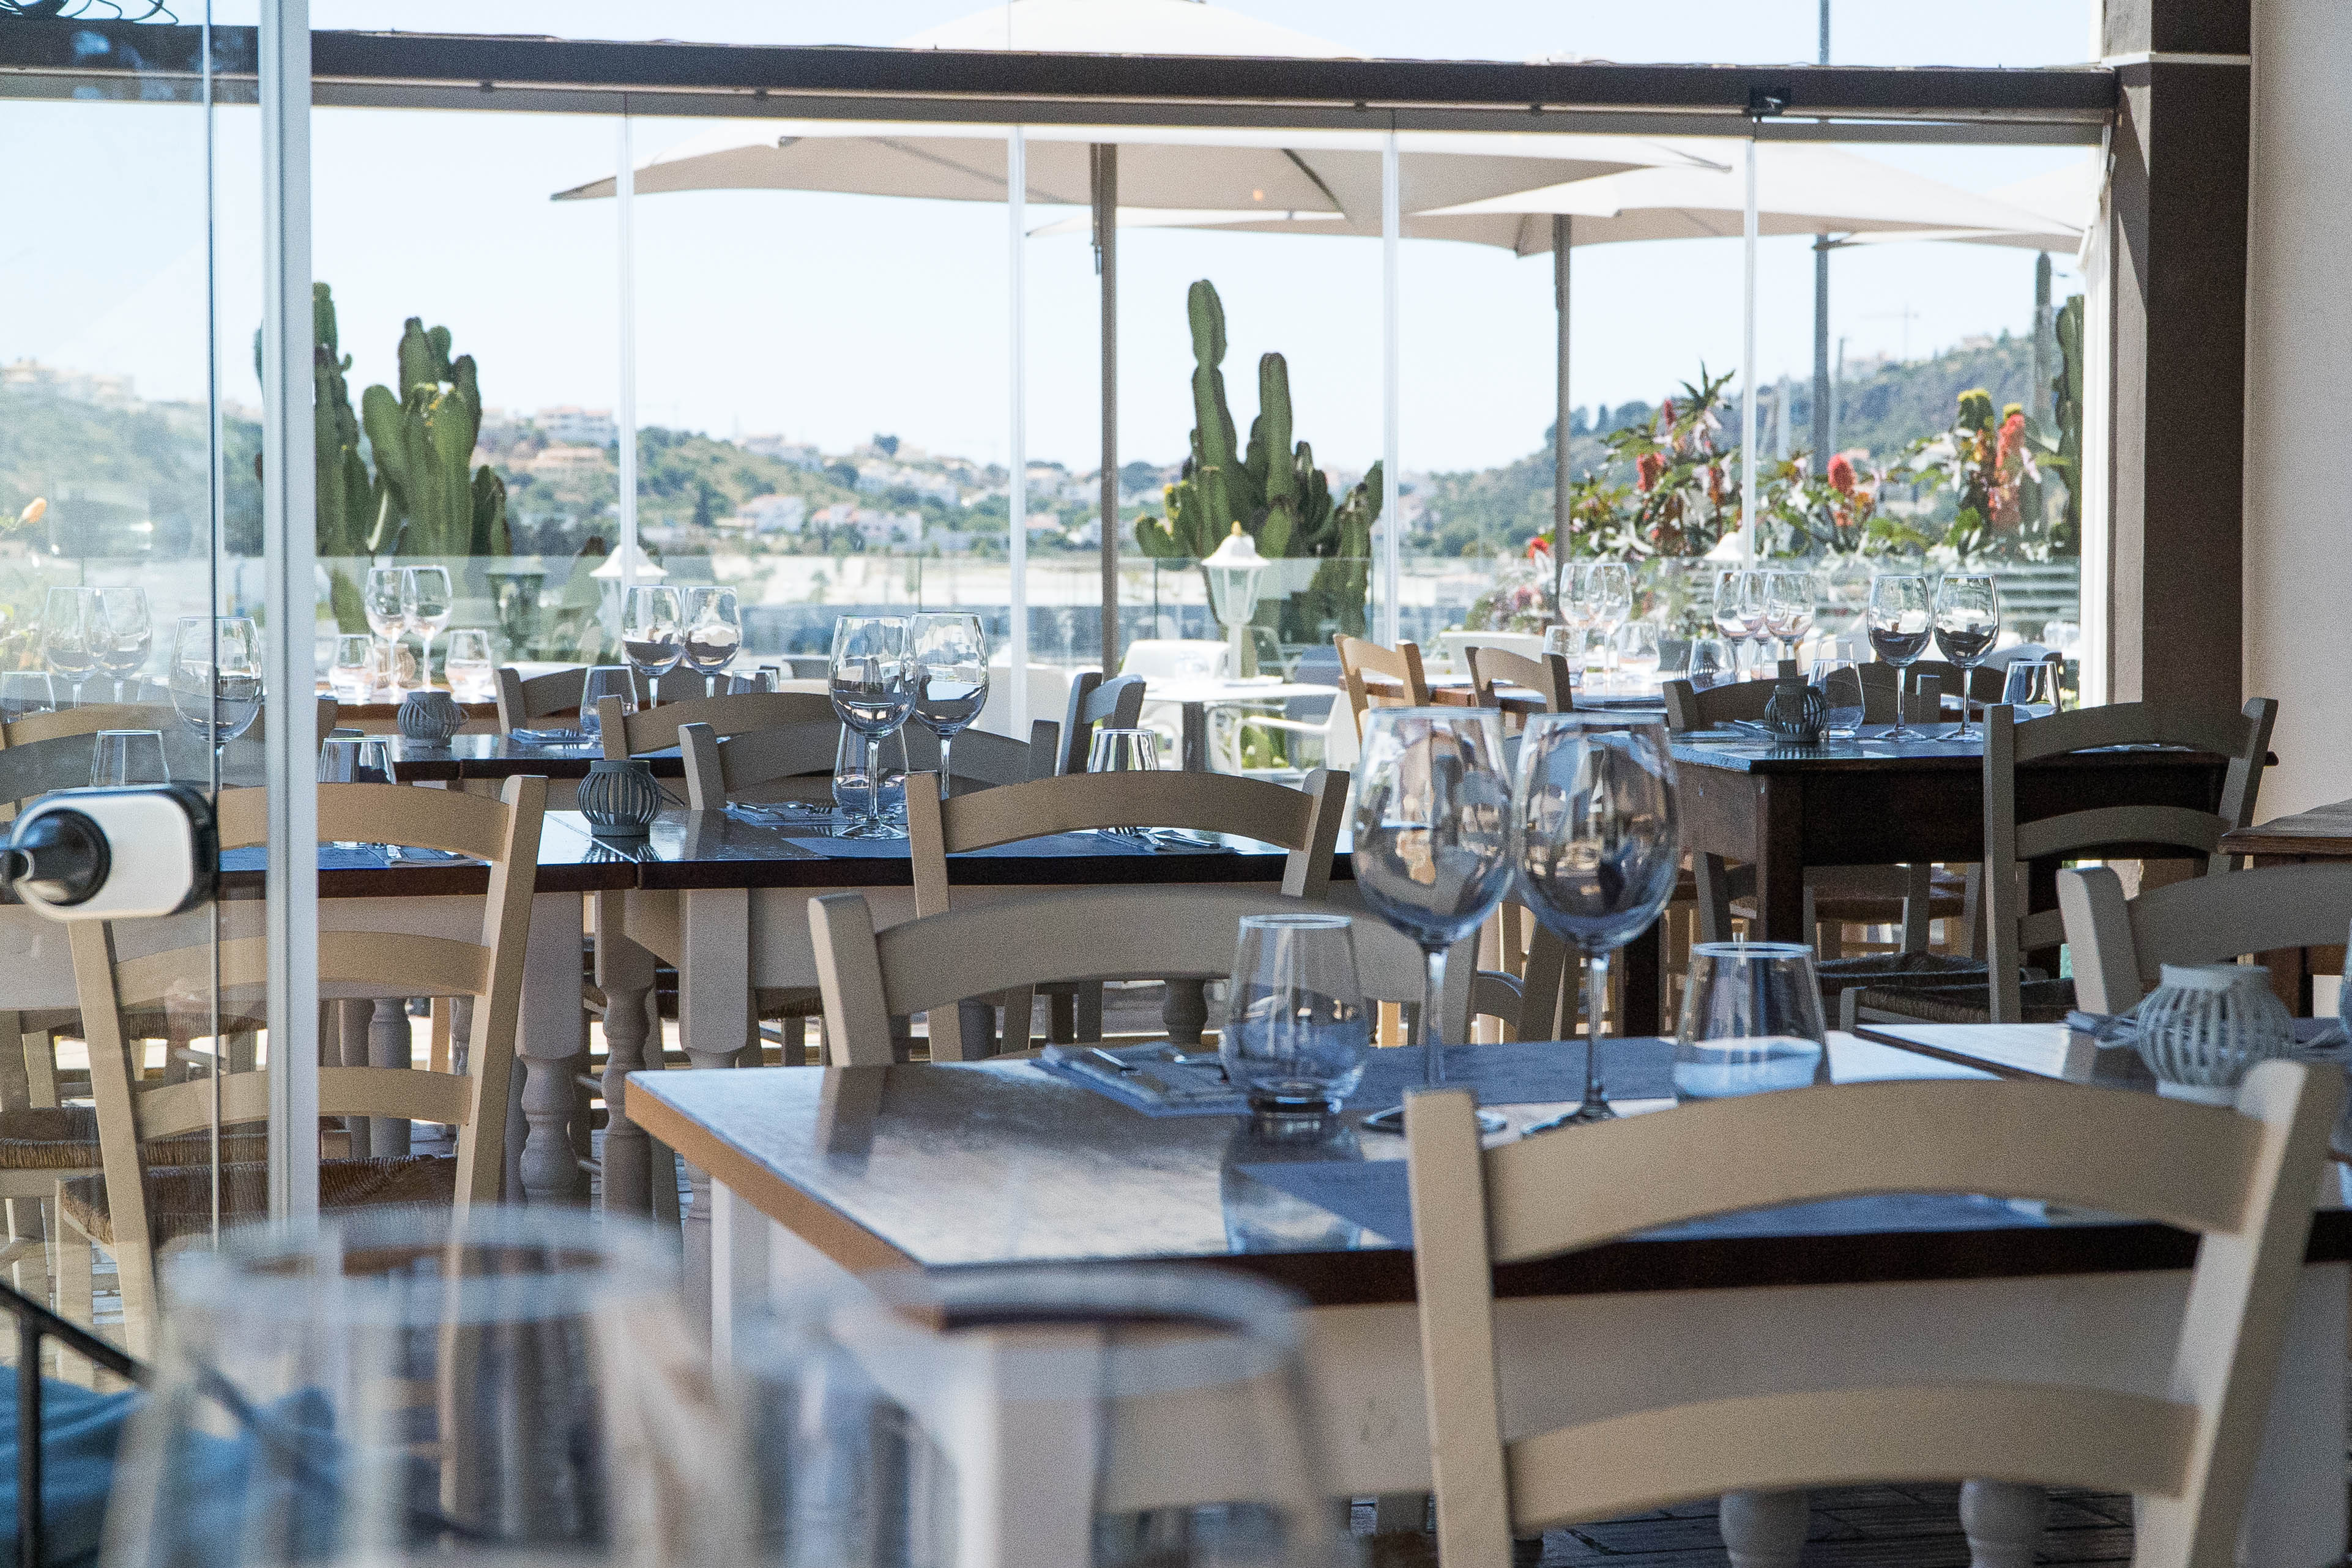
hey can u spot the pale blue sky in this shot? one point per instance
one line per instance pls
(831, 317)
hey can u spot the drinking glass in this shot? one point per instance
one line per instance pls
(72, 633)
(1610, 586)
(714, 634)
(1431, 851)
(339, 759)
(469, 666)
(1751, 1020)
(1968, 623)
(424, 1384)
(2031, 686)
(425, 608)
(851, 785)
(1637, 654)
(215, 680)
(600, 682)
(1840, 679)
(124, 756)
(1568, 642)
(767, 678)
(1296, 1030)
(24, 692)
(873, 691)
(1739, 608)
(1901, 610)
(376, 763)
(1595, 838)
(1710, 663)
(651, 635)
(1162, 1413)
(952, 679)
(128, 635)
(1792, 600)
(353, 676)
(379, 600)
(1123, 751)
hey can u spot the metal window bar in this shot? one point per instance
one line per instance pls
(35, 1323)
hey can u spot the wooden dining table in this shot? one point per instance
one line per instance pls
(823, 1175)
(2321, 833)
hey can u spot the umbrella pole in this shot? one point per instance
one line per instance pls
(1560, 517)
(1016, 183)
(624, 190)
(1105, 194)
(1393, 506)
(1748, 372)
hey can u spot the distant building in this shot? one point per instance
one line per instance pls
(890, 528)
(579, 426)
(563, 461)
(879, 478)
(798, 454)
(82, 386)
(769, 515)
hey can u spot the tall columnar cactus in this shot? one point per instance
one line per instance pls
(426, 502)
(346, 497)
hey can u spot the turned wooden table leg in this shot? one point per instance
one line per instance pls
(388, 1046)
(1185, 1013)
(625, 971)
(2004, 1520)
(1764, 1528)
(354, 1020)
(552, 1037)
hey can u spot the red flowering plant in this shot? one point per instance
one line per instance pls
(1685, 492)
(1987, 464)
(1522, 599)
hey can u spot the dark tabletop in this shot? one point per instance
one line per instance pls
(990, 1163)
(498, 757)
(2323, 832)
(1746, 751)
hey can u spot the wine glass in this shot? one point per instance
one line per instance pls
(1296, 1030)
(1611, 586)
(1638, 653)
(1751, 1020)
(714, 634)
(469, 666)
(1710, 661)
(1738, 609)
(1595, 838)
(1968, 623)
(652, 636)
(379, 600)
(216, 681)
(873, 691)
(1901, 610)
(1791, 599)
(1432, 853)
(951, 675)
(72, 633)
(128, 633)
(353, 676)
(425, 608)
(1575, 601)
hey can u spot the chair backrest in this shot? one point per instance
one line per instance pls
(1704, 707)
(2120, 945)
(928, 965)
(503, 832)
(2242, 1176)
(1984, 683)
(1400, 663)
(34, 768)
(761, 763)
(2243, 737)
(1114, 704)
(983, 759)
(522, 698)
(655, 729)
(1545, 676)
(88, 719)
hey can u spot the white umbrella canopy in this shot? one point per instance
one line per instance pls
(2066, 199)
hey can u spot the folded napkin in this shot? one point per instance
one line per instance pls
(1143, 1078)
(548, 737)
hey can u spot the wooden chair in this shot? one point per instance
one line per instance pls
(1997, 992)
(2121, 945)
(1114, 704)
(1306, 822)
(150, 1193)
(2241, 1176)
(1359, 658)
(655, 729)
(1547, 676)
(931, 964)
(523, 700)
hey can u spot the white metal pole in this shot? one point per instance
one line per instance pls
(1392, 621)
(1747, 453)
(289, 654)
(625, 193)
(1016, 211)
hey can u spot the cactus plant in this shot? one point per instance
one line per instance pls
(423, 439)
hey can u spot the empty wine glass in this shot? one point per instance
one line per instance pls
(1751, 1020)
(353, 676)
(1900, 614)
(652, 636)
(1739, 608)
(380, 601)
(1296, 1030)
(216, 681)
(952, 674)
(604, 681)
(72, 634)
(1792, 600)
(1709, 663)
(1610, 584)
(1839, 678)
(873, 691)
(127, 633)
(125, 756)
(1431, 848)
(1595, 838)
(1637, 654)
(714, 634)
(1968, 623)
(469, 666)
(425, 608)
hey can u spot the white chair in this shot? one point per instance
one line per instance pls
(2121, 945)
(2241, 1176)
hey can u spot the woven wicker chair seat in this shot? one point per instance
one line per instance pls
(179, 1197)
(40, 1138)
(2046, 1002)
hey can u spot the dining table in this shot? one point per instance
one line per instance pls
(2321, 833)
(823, 1176)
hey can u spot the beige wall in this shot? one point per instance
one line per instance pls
(2298, 531)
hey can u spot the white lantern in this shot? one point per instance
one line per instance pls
(1233, 571)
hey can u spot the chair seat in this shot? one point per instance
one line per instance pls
(1840, 898)
(1898, 971)
(2042, 1002)
(179, 1197)
(44, 1138)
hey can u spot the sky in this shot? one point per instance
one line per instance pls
(829, 318)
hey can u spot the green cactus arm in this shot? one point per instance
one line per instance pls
(1277, 479)
(1154, 538)
(380, 415)
(464, 401)
(491, 535)
(417, 366)
(1207, 314)
(1212, 420)
(450, 447)
(383, 524)
(1273, 538)
(322, 319)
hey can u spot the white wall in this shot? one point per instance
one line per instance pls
(2298, 534)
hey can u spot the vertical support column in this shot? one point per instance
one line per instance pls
(1016, 218)
(1748, 397)
(624, 972)
(2177, 231)
(1391, 534)
(1562, 234)
(289, 673)
(625, 215)
(1105, 194)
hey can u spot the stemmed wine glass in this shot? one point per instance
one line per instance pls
(1610, 584)
(1902, 608)
(1596, 840)
(425, 608)
(952, 678)
(129, 633)
(1431, 845)
(874, 682)
(714, 634)
(653, 637)
(1575, 612)
(1968, 623)
(215, 678)
(380, 599)
(1790, 602)
(72, 634)
(1738, 609)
